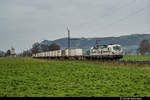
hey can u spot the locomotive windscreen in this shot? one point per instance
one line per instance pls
(117, 48)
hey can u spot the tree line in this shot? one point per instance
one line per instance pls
(37, 48)
(143, 48)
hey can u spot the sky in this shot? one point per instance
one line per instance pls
(24, 22)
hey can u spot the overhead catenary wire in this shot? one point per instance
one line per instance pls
(124, 18)
(128, 5)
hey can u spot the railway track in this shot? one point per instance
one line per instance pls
(104, 58)
(131, 62)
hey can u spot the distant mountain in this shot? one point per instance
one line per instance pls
(46, 42)
(129, 43)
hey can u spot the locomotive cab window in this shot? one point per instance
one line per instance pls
(117, 48)
(109, 49)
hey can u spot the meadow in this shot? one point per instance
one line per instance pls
(27, 77)
(136, 58)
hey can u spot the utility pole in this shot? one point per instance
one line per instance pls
(68, 41)
(68, 37)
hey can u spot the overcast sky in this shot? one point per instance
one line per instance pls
(23, 22)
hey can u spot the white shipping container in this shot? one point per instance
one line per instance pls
(55, 53)
(43, 54)
(52, 53)
(59, 52)
(74, 52)
(48, 53)
(39, 54)
(33, 55)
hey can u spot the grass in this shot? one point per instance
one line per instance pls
(27, 77)
(136, 58)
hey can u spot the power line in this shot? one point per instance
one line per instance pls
(123, 6)
(122, 19)
(146, 31)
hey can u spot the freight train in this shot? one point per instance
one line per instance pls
(98, 52)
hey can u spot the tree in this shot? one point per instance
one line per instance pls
(53, 47)
(35, 48)
(27, 53)
(8, 53)
(45, 47)
(144, 47)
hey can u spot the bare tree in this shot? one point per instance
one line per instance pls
(8, 53)
(144, 47)
(53, 47)
(27, 53)
(45, 47)
(35, 48)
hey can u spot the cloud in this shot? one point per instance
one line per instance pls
(25, 21)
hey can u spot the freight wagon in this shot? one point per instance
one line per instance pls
(98, 52)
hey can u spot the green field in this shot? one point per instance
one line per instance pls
(136, 58)
(27, 77)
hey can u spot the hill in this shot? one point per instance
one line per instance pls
(129, 42)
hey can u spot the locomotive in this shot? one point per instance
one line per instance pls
(111, 49)
(98, 52)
